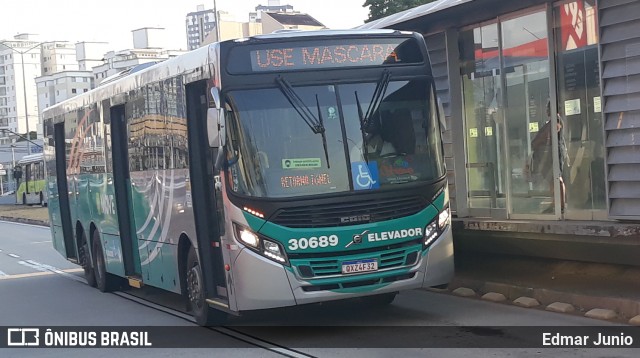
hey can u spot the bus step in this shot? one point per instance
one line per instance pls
(135, 281)
(222, 291)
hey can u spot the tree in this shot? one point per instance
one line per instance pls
(382, 8)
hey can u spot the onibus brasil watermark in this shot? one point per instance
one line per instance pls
(37, 337)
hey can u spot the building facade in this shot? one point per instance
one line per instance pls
(542, 101)
(55, 88)
(148, 49)
(274, 21)
(199, 24)
(90, 54)
(57, 57)
(20, 63)
(272, 6)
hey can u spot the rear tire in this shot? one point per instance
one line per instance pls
(85, 262)
(384, 299)
(105, 281)
(204, 315)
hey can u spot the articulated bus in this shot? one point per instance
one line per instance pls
(271, 171)
(29, 172)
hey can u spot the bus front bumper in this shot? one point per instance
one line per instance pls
(260, 283)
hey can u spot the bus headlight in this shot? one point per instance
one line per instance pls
(261, 245)
(436, 227)
(430, 233)
(272, 250)
(248, 237)
(444, 218)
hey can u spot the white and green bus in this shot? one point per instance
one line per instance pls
(30, 177)
(264, 172)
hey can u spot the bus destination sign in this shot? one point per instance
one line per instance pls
(341, 54)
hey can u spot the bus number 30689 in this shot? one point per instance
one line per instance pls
(313, 242)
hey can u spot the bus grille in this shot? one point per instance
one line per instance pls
(323, 267)
(328, 215)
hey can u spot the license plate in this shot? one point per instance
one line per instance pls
(359, 266)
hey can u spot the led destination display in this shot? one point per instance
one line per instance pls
(344, 53)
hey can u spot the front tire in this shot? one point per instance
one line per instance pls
(204, 315)
(105, 282)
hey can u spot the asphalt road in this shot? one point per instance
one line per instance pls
(40, 288)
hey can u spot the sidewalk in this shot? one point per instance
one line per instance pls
(25, 214)
(612, 290)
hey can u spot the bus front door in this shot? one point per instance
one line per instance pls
(66, 245)
(122, 188)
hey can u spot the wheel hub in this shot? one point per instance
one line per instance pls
(193, 287)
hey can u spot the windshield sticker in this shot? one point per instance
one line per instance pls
(332, 113)
(398, 170)
(301, 163)
(296, 181)
(365, 176)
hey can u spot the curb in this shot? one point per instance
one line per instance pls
(623, 308)
(25, 221)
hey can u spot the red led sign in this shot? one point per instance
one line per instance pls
(343, 53)
(362, 55)
(296, 181)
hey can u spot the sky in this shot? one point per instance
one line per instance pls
(113, 20)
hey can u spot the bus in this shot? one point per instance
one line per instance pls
(30, 176)
(271, 171)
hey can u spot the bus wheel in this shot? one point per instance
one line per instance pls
(89, 274)
(204, 315)
(384, 299)
(105, 282)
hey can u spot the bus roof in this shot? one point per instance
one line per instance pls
(31, 158)
(290, 34)
(194, 65)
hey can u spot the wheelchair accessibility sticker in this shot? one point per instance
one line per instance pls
(365, 176)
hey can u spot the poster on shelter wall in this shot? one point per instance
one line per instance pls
(572, 20)
(578, 22)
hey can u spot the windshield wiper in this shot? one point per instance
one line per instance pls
(324, 135)
(315, 124)
(376, 100)
(365, 145)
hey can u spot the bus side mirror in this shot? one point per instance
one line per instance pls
(216, 128)
(215, 122)
(443, 121)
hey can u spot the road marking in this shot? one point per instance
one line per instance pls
(14, 256)
(258, 342)
(34, 274)
(2, 274)
(41, 242)
(42, 267)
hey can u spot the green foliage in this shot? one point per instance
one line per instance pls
(381, 8)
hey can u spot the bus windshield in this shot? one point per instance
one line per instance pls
(273, 152)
